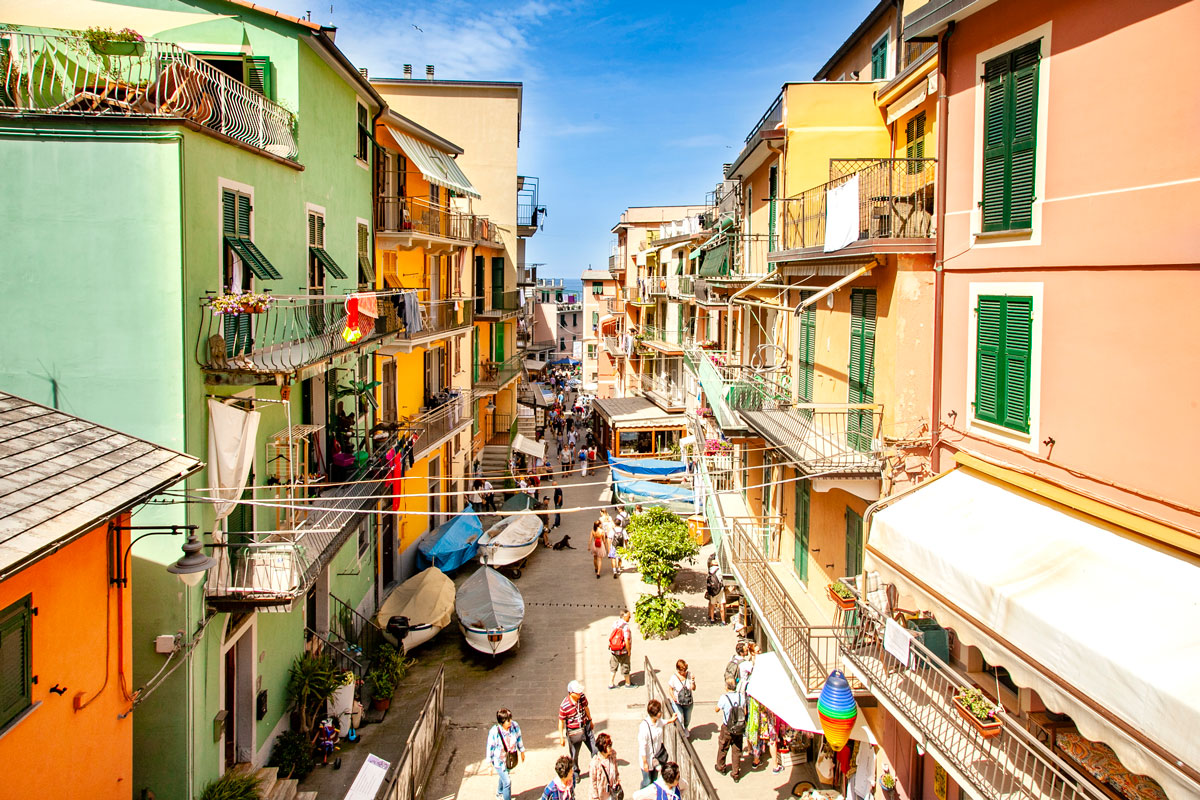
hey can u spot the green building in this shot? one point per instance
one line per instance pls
(145, 183)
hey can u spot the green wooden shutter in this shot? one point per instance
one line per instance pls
(772, 187)
(989, 321)
(854, 543)
(16, 659)
(257, 70)
(807, 350)
(915, 137)
(879, 60)
(860, 427)
(800, 530)
(243, 216)
(1023, 86)
(995, 144)
(228, 213)
(475, 351)
(1010, 138)
(498, 353)
(497, 280)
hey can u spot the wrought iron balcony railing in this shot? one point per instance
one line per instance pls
(497, 374)
(484, 230)
(895, 201)
(434, 425)
(64, 74)
(409, 215)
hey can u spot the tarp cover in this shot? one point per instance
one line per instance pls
(1049, 582)
(452, 543)
(513, 531)
(425, 598)
(646, 466)
(770, 685)
(518, 501)
(680, 499)
(488, 601)
(562, 361)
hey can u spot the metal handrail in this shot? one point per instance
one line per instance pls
(498, 373)
(407, 776)
(360, 634)
(396, 214)
(343, 660)
(679, 747)
(65, 74)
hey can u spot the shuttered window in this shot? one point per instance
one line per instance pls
(259, 75)
(366, 270)
(879, 59)
(914, 134)
(1003, 354)
(320, 262)
(364, 133)
(807, 350)
(800, 531)
(16, 659)
(854, 543)
(1010, 85)
(860, 431)
(772, 188)
(235, 225)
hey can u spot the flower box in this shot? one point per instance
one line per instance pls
(844, 603)
(119, 48)
(987, 728)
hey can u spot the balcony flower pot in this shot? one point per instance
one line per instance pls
(976, 709)
(841, 596)
(108, 48)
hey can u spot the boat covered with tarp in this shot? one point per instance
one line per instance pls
(417, 609)
(510, 541)
(490, 611)
(451, 544)
(517, 501)
(679, 499)
(647, 467)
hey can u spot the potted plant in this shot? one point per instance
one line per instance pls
(977, 709)
(388, 668)
(292, 755)
(342, 699)
(841, 595)
(887, 783)
(658, 542)
(107, 42)
(232, 786)
(310, 685)
(239, 303)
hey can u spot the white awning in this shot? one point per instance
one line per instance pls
(1099, 623)
(435, 166)
(529, 447)
(770, 685)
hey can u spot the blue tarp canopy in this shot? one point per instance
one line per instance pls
(451, 544)
(570, 361)
(676, 498)
(646, 466)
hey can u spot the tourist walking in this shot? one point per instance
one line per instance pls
(575, 724)
(475, 497)
(732, 709)
(610, 534)
(620, 648)
(682, 687)
(489, 495)
(670, 785)
(598, 546)
(563, 785)
(505, 750)
(620, 539)
(714, 590)
(583, 461)
(604, 772)
(558, 504)
(652, 749)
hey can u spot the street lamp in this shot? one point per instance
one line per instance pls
(190, 567)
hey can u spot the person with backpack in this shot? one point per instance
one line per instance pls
(652, 749)
(563, 785)
(669, 786)
(598, 545)
(714, 590)
(682, 687)
(583, 460)
(505, 750)
(575, 725)
(733, 668)
(732, 708)
(619, 650)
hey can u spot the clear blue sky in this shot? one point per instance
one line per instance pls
(625, 104)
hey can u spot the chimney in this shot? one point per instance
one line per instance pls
(362, 71)
(429, 72)
(408, 70)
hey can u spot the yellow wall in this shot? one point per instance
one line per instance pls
(829, 120)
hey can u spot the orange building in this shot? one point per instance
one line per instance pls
(65, 687)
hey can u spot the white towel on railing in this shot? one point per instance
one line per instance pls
(841, 215)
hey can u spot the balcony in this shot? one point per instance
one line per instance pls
(435, 425)
(485, 232)
(681, 287)
(274, 569)
(666, 392)
(895, 210)
(409, 222)
(841, 438)
(717, 376)
(63, 75)
(1011, 766)
(295, 331)
(495, 375)
(663, 340)
(502, 306)
(529, 211)
(569, 307)
(527, 274)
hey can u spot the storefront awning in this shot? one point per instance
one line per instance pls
(529, 447)
(1105, 627)
(770, 685)
(636, 412)
(435, 166)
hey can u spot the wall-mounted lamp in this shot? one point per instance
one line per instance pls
(190, 567)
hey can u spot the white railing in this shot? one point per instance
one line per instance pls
(67, 75)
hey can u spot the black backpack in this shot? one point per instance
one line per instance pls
(737, 718)
(713, 585)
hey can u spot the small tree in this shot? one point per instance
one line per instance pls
(658, 542)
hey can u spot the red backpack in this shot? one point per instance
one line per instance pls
(616, 640)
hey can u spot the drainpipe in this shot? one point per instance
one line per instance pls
(939, 257)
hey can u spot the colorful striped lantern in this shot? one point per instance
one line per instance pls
(837, 710)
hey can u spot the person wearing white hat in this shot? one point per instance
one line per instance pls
(575, 724)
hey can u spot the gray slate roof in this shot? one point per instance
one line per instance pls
(61, 476)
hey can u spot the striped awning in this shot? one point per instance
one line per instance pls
(435, 166)
(716, 262)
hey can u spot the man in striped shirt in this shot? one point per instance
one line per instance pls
(575, 724)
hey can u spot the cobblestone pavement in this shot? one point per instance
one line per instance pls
(569, 613)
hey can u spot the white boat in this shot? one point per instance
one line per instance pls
(509, 542)
(490, 611)
(417, 609)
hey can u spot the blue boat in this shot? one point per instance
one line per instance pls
(451, 544)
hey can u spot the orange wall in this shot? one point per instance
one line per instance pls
(858, 57)
(90, 750)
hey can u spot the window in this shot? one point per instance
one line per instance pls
(558, 297)
(365, 530)
(651, 236)
(366, 270)
(575, 320)
(595, 320)
(914, 135)
(1010, 86)
(597, 288)
(806, 350)
(861, 428)
(16, 659)
(320, 263)
(854, 543)
(800, 531)
(254, 71)
(772, 187)
(364, 133)
(591, 351)
(879, 53)
(562, 345)
(1003, 354)
(242, 257)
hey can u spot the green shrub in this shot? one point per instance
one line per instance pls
(387, 670)
(656, 615)
(311, 682)
(658, 542)
(293, 755)
(231, 786)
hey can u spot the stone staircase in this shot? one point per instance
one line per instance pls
(494, 462)
(271, 786)
(527, 427)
